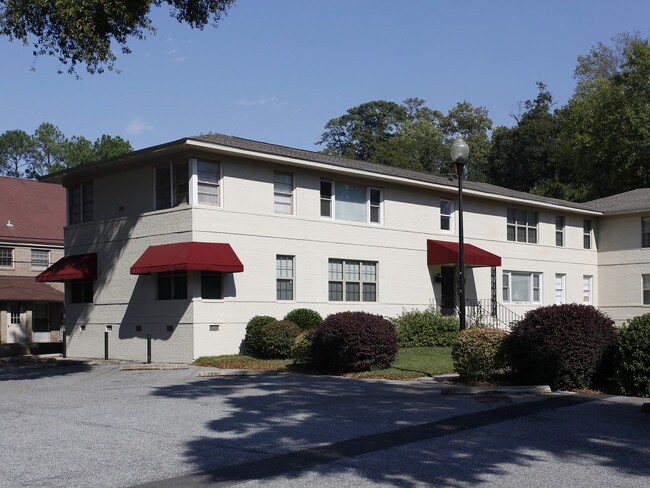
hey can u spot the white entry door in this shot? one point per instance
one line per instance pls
(16, 325)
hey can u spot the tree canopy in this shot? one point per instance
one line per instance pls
(86, 32)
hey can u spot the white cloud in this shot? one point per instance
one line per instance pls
(272, 102)
(138, 126)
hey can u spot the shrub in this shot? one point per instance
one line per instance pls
(305, 318)
(633, 356)
(564, 346)
(354, 341)
(425, 328)
(301, 351)
(252, 345)
(477, 353)
(277, 338)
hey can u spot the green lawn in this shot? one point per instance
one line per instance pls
(410, 363)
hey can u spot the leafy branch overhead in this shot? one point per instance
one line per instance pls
(86, 32)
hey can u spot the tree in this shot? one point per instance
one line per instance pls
(16, 147)
(109, 147)
(49, 150)
(85, 32)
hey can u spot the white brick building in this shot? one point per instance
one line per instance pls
(315, 231)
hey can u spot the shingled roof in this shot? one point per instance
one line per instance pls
(631, 201)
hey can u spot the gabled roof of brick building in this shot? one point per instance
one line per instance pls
(31, 212)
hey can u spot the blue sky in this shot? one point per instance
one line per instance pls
(277, 71)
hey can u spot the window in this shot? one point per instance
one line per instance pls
(560, 280)
(14, 314)
(6, 257)
(211, 285)
(81, 203)
(586, 234)
(559, 230)
(645, 231)
(587, 289)
(172, 285)
(81, 291)
(522, 225)
(41, 317)
(283, 193)
(208, 186)
(446, 211)
(172, 184)
(284, 272)
(40, 259)
(352, 281)
(352, 203)
(522, 287)
(646, 289)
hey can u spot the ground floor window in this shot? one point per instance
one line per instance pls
(560, 280)
(352, 281)
(81, 291)
(41, 317)
(172, 285)
(522, 287)
(587, 291)
(211, 285)
(14, 314)
(646, 289)
(284, 271)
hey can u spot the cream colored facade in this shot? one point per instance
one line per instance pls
(124, 308)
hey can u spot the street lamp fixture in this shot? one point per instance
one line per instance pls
(459, 155)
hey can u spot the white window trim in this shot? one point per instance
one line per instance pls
(452, 214)
(643, 290)
(516, 225)
(292, 279)
(194, 184)
(562, 277)
(560, 231)
(41, 267)
(368, 188)
(361, 281)
(590, 290)
(508, 285)
(292, 194)
(588, 234)
(12, 251)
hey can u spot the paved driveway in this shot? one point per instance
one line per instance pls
(88, 426)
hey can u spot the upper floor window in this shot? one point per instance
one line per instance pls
(559, 230)
(208, 183)
(522, 225)
(81, 202)
(172, 184)
(6, 257)
(211, 285)
(40, 259)
(522, 287)
(352, 281)
(172, 285)
(446, 212)
(352, 203)
(284, 271)
(283, 193)
(81, 291)
(586, 234)
(645, 231)
(646, 289)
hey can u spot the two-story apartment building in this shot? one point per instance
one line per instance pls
(188, 240)
(32, 216)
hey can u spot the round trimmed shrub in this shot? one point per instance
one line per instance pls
(354, 341)
(633, 356)
(478, 353)
(301, 351)
(425, 328)
(305, 318)
(252, 344)
(564, 346)
(277, 338)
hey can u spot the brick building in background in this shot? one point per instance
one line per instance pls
(32, 216)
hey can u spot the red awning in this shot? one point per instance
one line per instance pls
(201, 256)
(79, 267)
(442, 252)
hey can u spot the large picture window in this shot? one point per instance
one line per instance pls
(284, 272)
(522, 225)
(522, 287)
(81, 203)
(351, 203)
(352, 281)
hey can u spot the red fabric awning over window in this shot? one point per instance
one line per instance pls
(442, 252)
(200, 256)
(78, 267)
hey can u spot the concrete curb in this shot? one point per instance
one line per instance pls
(482, 390)
(238, 372)
(152, 367)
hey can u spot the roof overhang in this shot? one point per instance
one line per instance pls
(77, 267)
(443, 252)
(199, 256)
(25, 289)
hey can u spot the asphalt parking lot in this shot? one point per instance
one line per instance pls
(88, 426)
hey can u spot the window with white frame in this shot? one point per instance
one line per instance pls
(587, 290)
(81, 203)
(172, 285)
(522, 225)
(559, 230)
(284, 272)
(208, 183)
(6, 257)
(522, 287)
(40, 259)
(351, 203)
(211, 288)
(283, 193)
(586, 234)
(14, 314)
(446, 212)
(560, 283)
(646, 289)
(352, 281)
(172, 184)
(645, 231)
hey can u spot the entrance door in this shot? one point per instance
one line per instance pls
(16, 325)
(448, 291)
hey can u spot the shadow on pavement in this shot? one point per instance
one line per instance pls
(33, 371)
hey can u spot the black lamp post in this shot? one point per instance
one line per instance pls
(459, 154)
